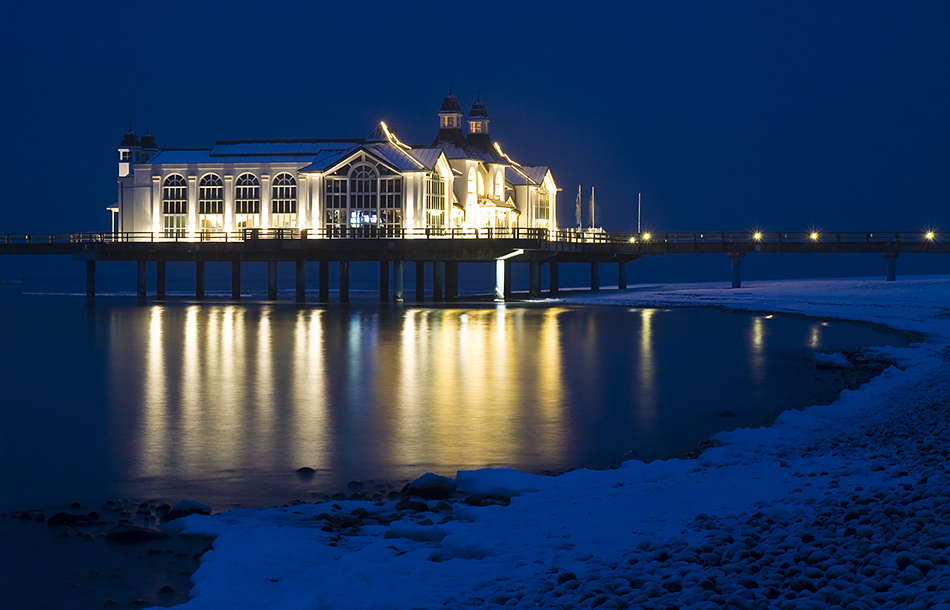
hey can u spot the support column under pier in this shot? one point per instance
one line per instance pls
(420, 281)
(499, 280)
(383, 281)
(890, 266)
(736, 258)
(534, 279)
(324, 296)
(235, 280)
(508, 281)
(397, 281)
(622, 275)
(344, 281)
(555, 288)
(91, 278)
(160, 279)
(451, 280)
(142, 278)
(301, 279)
(271, 280)
(438, 280)
(594, 277)
(200, 279)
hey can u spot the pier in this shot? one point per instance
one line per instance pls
(443, 250)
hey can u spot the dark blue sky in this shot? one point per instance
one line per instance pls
(724, 115)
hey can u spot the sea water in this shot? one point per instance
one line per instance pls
(223, 402)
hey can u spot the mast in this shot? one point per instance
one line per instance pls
(639, 207)
(591, 207)
(577, 211)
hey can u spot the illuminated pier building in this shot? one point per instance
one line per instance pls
(461, 181)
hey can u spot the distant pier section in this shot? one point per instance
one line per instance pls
(443, 249)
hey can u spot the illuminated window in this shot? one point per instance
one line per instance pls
(364, 197)
(284, 201)
(124, 155)
(335, 189)
(210, 204)
(247, 202)
(174, 205)
(542, 212)
(448, 122)
(481, 184)
(211, 195)
(390, 202)
(471, 183)
(499, 185)
(435, 201)
(475, 126)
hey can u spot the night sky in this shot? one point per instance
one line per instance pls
(726, 116)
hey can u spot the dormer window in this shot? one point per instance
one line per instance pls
(124, 155)
(448, 122)
(475, 126)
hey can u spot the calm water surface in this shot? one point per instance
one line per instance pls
(222, 403)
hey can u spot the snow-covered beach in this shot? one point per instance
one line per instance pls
(841, 505)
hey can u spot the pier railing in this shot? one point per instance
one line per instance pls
(564, 235)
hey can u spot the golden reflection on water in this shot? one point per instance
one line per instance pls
(757, 353)
(647, 410)
(155, 393)
(230, 387)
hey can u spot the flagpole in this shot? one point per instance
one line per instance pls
(591, 207)
(639, 207)
(577, 210)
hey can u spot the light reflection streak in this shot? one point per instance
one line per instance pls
(647, 393)
(155, 392)
(814, 337)
(757, 353)
(310, 441)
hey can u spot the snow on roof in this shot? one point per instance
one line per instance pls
(535, 172)
(426, 156)
(300, 147)
(512, 176)
(185, 157)
(181, 156)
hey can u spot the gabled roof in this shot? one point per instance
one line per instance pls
(535, 172)
(426, 156)
(514, 177)
(384, 152)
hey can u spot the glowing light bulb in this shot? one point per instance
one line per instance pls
(813, 236)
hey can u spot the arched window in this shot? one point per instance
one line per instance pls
(364, 202)
(499, 185)
(174, 205)
(284, 201)
(247, 202)
(481, 184)
(210, 204)
(471, 184)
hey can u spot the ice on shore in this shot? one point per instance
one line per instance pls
(830, 361)
(838, 506)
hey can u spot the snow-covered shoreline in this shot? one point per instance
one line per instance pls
(776, 517)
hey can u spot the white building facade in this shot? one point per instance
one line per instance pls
(373, 186)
